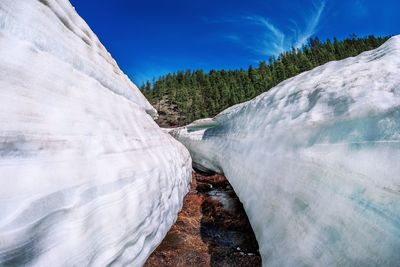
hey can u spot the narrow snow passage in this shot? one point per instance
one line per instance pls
(212, 229)
(315, 161)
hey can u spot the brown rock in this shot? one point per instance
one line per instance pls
(206, 232)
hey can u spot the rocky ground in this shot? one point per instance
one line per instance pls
(211, 230)
(168, 115)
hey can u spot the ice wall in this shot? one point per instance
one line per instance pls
(316, 162)
(86, 176)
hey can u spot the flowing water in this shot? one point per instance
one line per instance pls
(211, 230)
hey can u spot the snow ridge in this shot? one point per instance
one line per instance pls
(86, 176)
(315, 162)
(75, 44)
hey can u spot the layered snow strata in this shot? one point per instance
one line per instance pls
(86, 176)
(315, 162)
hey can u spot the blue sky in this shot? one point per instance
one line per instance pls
(149, 38)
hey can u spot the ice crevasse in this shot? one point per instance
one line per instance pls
(86, 176)
(316, 162)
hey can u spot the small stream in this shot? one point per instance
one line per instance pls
(211, 230)
(224, 197)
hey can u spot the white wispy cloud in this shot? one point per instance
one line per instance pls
(217, 21)
(312, 25)
(273, 37)
(275, 40)
(233, 38)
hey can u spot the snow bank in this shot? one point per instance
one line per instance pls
(315, 162)
(86, 176)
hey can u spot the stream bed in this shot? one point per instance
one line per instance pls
(211, 230)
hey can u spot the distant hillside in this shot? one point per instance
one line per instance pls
(185, 96)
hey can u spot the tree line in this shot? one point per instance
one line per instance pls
(197, 94)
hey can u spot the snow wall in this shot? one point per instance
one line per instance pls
(316, 162)
(86, 176)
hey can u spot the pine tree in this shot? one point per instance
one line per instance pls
(197, 94)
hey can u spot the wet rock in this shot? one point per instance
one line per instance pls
(211, 230)
(203, 187)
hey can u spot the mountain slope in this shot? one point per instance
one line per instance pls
(197, 94)
(315, 162)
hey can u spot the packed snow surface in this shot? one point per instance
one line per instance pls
(86, 176)
(316, 162)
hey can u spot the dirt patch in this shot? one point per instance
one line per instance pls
(211, 230)
(168, 113)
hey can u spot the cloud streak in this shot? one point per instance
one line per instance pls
(312, 25)
(275, 40)
(273, 37)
